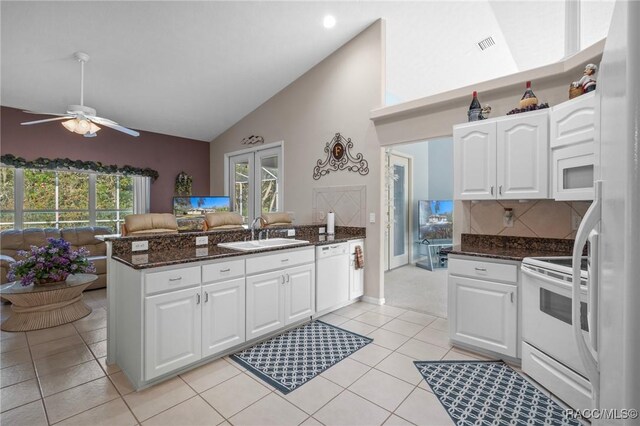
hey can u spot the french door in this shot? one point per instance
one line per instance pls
(398, 240)
(255, 182)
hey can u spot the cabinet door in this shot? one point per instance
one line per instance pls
(356, 276)
(483, 314)
(265, 294)
(523, 157)
(299, 300)
(474, 161)
(172, 331)
(223, 311)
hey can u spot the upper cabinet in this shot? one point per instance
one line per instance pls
(573, 145)
(504, 158)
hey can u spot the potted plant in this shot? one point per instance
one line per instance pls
(51, 263)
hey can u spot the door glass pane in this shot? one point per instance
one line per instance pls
(399, 211)
(241, 188)
(39, 190)
(269, 183)
(73, 191)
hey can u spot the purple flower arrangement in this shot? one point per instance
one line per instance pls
(51, 263)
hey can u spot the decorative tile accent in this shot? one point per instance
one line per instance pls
(347, 202)
(535, 218)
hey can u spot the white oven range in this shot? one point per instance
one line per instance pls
(549, 350)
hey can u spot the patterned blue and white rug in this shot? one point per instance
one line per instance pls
(490, 393)
(291, 359)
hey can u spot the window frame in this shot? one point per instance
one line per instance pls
(252, 155)
(93, 210)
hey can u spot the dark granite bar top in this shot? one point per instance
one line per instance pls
(177, 255)
(511, 248)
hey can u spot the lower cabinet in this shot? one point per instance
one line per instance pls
(484, 314)
(172, 331)
(223, 310)
(279, 298)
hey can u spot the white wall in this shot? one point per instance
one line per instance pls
(336, 95)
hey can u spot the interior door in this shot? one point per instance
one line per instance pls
(241, 174)
(399, 214)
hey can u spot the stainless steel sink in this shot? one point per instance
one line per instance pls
(262, 244)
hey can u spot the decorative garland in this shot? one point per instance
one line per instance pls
(339, 157)
(65, 163)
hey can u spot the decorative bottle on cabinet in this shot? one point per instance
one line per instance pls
(474, 109)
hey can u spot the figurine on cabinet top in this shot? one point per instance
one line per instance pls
(586, 84)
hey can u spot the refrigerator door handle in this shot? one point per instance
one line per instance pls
(593, 288)
(587, 353)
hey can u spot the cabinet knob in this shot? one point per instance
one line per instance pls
(491, 189)
(225, 270)
(287, 277)
(282, 276)
(206, 297)
(175, 279)
(197, 298)
(500, 190)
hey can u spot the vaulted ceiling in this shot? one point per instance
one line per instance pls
(193, 69)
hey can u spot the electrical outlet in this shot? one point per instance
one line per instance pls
(202, 241)
(372, 218)
(575, 220)
(291, 232)
(507, 218)
(139, 245)
(202, 251)
(139, 259)
(322, 230)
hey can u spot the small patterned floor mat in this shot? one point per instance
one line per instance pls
(293, 358)
(490, 393)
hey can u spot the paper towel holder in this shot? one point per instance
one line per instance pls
(331, 223)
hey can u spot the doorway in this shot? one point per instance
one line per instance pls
(419, 189)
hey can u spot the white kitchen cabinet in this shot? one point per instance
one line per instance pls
(573, 147)
(223, 316)
(523, 156)
(172, 331)
(356, 276)
(299, 294)
(265, 298)
(474, 153)
(505, 158)
(483, 304)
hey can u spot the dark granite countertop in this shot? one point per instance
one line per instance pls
(511, 248)
(180, 255)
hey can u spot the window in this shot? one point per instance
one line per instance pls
(255, 181)
(33, 198)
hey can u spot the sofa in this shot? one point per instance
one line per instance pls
(13, 240)
(149, 223)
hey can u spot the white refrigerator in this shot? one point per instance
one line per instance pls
(611, 353)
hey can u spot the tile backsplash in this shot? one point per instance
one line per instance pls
(535, 218)
(347, 202)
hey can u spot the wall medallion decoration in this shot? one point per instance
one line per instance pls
(183, 184)
(339, 157)
(253, 140)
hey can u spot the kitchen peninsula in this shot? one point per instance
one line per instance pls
(182, 300)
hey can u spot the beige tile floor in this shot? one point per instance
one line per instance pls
(59, 376)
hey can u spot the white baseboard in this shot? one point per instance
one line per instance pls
(373, 300)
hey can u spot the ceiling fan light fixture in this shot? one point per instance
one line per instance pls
(70, 125)
(81, 127)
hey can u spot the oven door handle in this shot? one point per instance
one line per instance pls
(588, 355)
(542, 277)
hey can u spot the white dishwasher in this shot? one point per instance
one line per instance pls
(332, 275)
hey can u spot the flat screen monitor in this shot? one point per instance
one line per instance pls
(195, 207)
(436, 221)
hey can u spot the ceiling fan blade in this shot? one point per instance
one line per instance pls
(28, 123)
(100, 120)
(114, 126)
(45, 113)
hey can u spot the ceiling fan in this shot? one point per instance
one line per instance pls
(81, 119)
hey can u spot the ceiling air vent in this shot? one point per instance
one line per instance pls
(486, 43)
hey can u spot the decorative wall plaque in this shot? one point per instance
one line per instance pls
(253, 140)
(339, 157)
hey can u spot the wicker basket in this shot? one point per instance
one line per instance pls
(575, 91)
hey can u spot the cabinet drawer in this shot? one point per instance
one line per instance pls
(222, 270)
(279, 260)
(484, 270)
(173, 279)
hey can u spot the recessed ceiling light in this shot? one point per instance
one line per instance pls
(329, 21)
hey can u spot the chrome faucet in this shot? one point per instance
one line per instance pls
(253, 227)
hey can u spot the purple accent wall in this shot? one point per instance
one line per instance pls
(167, 154)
